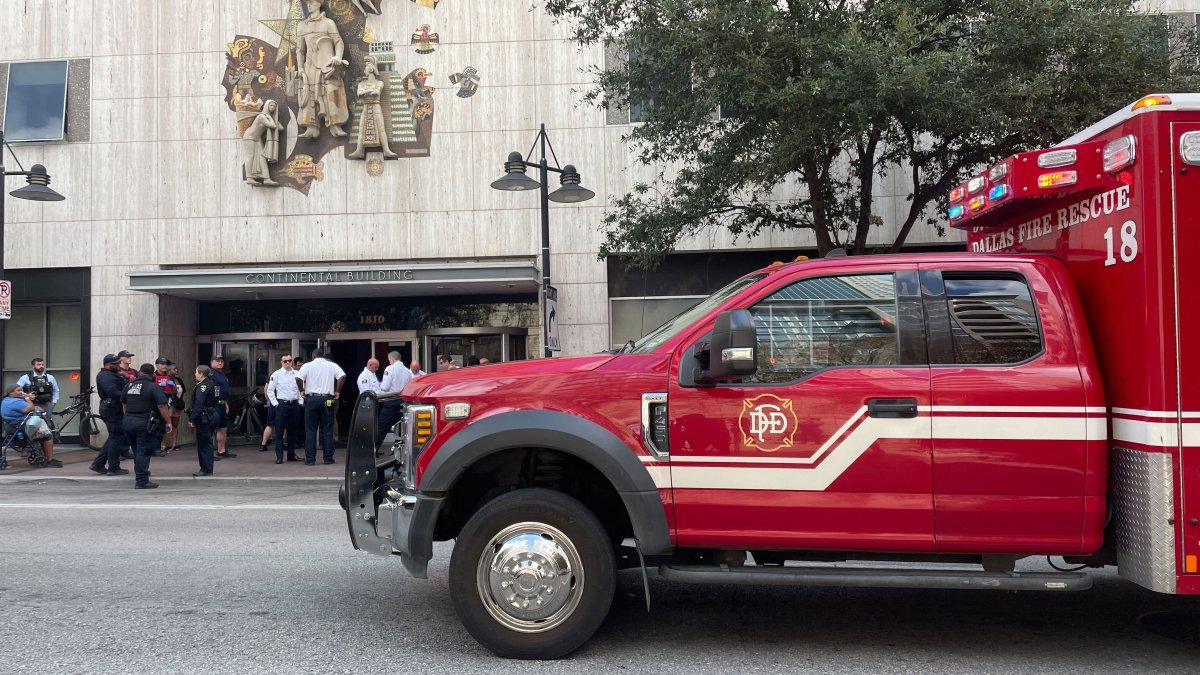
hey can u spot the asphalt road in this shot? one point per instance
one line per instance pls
(261, 578)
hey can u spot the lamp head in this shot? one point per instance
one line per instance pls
(514, 178)
(571, 191)
(38, 189)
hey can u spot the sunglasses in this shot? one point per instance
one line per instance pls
(286, 360)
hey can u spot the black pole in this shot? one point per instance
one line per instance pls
(544, 180)
(3, 195)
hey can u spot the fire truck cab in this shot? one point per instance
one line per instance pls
(959, 412)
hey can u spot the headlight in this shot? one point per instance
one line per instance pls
(418, 431)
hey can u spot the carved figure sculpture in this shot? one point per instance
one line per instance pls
(322, 95)
(364, 5)
(260, 143)
(372, 127)
(467, 81)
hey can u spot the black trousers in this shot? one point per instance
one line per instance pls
(144, 443)
(289, 417)
(114, 447)
(318, 418)
(389, 414)
(204, 445)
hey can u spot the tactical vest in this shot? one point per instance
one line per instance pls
(139, 398)
(40, 386)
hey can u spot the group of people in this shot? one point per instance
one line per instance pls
(142, 408)
(302, 402)
(395, 377)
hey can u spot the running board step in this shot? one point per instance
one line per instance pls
(877, 578)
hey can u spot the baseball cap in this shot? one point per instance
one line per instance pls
(111, 358)
(217, 357)
(163, 360)
(124, 353)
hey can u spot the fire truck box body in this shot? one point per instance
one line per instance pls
(1033, 396)
(1126, 234)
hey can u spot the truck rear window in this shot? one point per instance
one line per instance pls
(992, 320)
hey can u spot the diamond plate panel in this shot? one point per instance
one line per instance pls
(1144, 486)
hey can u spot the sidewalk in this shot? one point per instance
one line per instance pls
(178, 466)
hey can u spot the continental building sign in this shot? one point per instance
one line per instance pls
(465, 277)
(329, 277)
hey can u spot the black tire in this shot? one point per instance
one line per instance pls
(93, 431)
(566, 534)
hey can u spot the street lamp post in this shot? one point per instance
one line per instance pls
(570, 192)
(38, 190)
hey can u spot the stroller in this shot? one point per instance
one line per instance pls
(19, 436)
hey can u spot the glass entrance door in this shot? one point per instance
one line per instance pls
(250, 358)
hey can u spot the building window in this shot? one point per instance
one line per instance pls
(633, 318)
(36, 101)
(50, 332)
(639, 104)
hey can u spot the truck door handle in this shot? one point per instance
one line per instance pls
(892, 407)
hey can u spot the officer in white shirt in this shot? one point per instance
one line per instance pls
(367, 381)
(415, 369)
(284, 396)
(395, 377)
(320, 381)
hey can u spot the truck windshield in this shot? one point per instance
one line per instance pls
(659, 335)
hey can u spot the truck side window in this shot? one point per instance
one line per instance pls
(824, 322)
(992, 320)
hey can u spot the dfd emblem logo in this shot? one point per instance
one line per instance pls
(768, 423)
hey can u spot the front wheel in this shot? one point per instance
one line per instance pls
(532, 574)
(93, 431)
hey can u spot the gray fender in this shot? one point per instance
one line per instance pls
(566, 433)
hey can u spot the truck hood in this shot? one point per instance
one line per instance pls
(477, 380)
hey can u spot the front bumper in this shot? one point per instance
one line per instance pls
(383, 518)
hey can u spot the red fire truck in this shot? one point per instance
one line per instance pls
(813, 423)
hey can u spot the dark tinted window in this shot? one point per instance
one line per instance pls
(992, 321)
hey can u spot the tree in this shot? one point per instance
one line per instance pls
(821, 98)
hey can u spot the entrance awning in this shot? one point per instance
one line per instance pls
(342, 281)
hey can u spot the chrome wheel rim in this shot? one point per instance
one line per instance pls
(530, 577)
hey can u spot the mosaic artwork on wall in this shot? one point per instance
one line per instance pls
(424, 40)
(467, 81)
(326, 82)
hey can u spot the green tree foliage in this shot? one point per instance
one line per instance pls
(823, 98)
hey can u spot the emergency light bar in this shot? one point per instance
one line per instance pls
(1020, 181)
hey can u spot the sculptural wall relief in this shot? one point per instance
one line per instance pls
(326, 81)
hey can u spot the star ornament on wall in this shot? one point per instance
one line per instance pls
(286, 28)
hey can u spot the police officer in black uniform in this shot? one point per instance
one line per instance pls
(221, 385)
(202, 417)
(147, 418)
(110, 384)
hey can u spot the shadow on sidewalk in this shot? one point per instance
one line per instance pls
(181, 463)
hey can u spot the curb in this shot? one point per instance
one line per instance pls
(223, 481)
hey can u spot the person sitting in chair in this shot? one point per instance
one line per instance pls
(16, 405)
